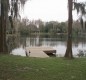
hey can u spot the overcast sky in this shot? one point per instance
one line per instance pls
(47, 10)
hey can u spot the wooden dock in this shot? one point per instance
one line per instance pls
(42, 52)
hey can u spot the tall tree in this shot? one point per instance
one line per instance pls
(4, 13)
(68, 53)
(6, 6)
(80, 7)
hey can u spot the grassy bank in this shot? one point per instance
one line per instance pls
(25, 68)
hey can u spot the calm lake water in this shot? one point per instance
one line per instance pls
(59, 44)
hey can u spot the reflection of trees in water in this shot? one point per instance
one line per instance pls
(78, 40)
(17, 41)
(23, 41)
(43, 41)
(13, 42)
(40, 41)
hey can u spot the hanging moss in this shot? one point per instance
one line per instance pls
(11, 21)
(85, 25)
(14, 7)
(81, 21)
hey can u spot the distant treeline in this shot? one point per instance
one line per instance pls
(26, 27)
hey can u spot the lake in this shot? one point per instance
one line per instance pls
(59, 44)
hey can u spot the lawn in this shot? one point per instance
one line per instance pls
(26, 68)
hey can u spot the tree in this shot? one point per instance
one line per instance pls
(4, 12)
(80, 7)
(68, 53)
(7, 6)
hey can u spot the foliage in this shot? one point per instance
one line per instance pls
(50, 28)
(24, 32)
(80, 7)
(14, 6)
(76, 28)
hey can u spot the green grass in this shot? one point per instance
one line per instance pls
(25, 68)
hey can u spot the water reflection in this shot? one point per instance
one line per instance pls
(13, 42)
(58, 44)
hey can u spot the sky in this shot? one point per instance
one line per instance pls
(47, 10)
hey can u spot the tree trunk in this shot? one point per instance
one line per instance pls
(3, 48)
(68, 53)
